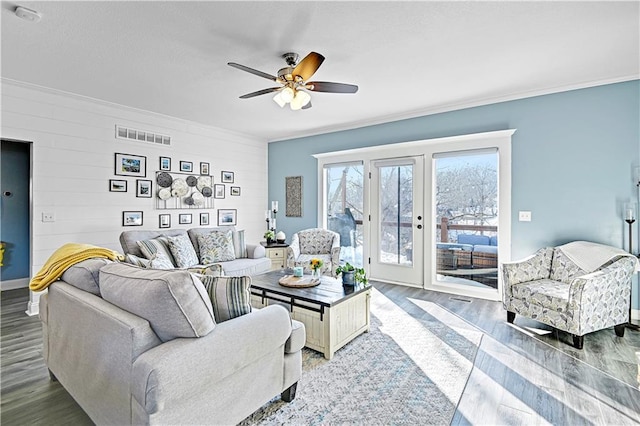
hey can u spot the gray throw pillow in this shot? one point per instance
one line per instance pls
(174, 302)
(230, 296)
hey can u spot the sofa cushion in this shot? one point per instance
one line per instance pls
(182, 251)
(157, 249)
(85, 275)
(216, 246)
(474, 239)
(230, 296)
(251, 267)
(174, 302)
(547, 293)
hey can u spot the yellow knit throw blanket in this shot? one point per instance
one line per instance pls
(65, 257)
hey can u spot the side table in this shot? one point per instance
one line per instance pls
(277, 252)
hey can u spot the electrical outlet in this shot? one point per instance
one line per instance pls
(524, 216)
(48, 217)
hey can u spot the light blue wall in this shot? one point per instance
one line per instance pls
(572, 161)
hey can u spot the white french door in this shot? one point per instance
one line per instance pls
(397, 220)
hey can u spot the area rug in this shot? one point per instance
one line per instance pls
(406, 370)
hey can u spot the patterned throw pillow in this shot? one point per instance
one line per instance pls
(217, 246)
(230, 296)
(182, 250)
(157, 250)
(239, 246)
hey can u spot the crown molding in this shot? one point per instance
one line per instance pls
(422, 112)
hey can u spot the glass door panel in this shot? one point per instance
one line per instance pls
(344, 192)
(397, 235)
(466, 218)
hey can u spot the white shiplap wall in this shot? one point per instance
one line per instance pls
(73, 159)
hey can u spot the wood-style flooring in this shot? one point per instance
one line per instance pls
(523, 374)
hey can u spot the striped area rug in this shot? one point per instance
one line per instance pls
(406, 370)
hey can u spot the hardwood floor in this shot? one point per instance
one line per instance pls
(523, 373)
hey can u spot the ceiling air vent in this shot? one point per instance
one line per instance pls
(141, 136)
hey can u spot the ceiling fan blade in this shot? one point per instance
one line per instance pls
(260, 92)
(307, 106)
(253, 71)
(327, 86)
(308, 66)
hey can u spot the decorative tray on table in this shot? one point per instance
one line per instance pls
(299, 282)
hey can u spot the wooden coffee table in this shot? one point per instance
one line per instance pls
(333, 315)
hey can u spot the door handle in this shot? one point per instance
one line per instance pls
(419, 226)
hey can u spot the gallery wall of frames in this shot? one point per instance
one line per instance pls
(184, 189)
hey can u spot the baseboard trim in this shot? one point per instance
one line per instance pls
(14, 284)
(33, 309)
(635, 314)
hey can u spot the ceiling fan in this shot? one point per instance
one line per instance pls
(294, 87)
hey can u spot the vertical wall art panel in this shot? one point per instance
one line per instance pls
(293, 196)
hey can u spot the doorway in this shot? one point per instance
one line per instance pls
(15, 214)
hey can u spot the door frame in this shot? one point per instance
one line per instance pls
(24, 282)
(412, 276)
(500, 139)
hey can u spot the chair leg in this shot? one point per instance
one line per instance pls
(578, 341)
(619, 329)
(511, 316)
(290, 393)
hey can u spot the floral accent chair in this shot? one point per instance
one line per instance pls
(314, 243)
(554, 287)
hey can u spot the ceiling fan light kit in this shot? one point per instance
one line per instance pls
(293, 79)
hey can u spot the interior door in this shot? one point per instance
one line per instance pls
(397, 220)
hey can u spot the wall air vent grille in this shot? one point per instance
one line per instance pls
(141, 136)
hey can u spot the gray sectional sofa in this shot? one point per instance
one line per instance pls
(254, 263)
(142, 346)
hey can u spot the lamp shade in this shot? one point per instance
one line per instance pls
(278, 99)
(287, 94)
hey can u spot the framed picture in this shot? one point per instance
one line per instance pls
(227, 177)
(186, 166)
(165, 220)
(218, 191)
(227, 217)
(165, 163)
(132, 218)
(130, 165)
(143, 188)
(235, 191)
(204, 169)
(184, 218)
(204, 219)
(116, 185)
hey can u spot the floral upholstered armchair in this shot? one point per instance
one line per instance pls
(579, 287)
(314, 243)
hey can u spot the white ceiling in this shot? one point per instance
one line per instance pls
(408, 58)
